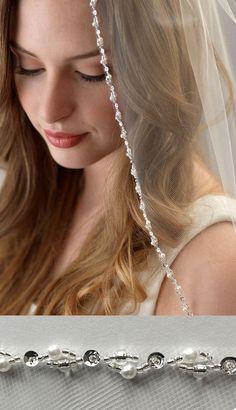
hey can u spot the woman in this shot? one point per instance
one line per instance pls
(73, 237)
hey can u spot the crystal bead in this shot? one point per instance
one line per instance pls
(91, 358)
(199, 371)
(103, 60)
(99, 41)
(228, 365)
(95, 21)
(133, 171)
(31, 358)
(129, 151)
(162, 256)
(64, 364)
(169, 272)
(156, 360)
(108, 79)
(120, 355)
(118, 115)
(113, 97)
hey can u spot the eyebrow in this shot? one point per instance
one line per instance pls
(89, 54)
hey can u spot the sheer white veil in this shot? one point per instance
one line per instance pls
(210, 48)
(216, 21)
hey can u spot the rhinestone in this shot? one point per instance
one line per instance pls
(129, 152)
(103, 60)
(31, 358)
(156, 360)
(99, 41)
(162, 256)
(91, 358)
(113, 97)
(169, 272)
(95, 21)
(108, 77)
(118, 115)
(228, 365)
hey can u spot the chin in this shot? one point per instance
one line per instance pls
(74, 160)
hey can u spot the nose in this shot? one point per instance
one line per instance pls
(56, 100)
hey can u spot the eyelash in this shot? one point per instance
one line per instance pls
(90, 78)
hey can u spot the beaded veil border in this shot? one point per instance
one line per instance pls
(118, 116)
(196, 363)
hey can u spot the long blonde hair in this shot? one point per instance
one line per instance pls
(38, 196)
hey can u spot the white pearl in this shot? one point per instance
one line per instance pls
(54, 352)
(129, 371)
(4, 364)
(190, 354)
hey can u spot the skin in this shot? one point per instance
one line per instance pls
(205, 269)
(58, 98)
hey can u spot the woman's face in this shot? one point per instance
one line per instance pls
(66, 91)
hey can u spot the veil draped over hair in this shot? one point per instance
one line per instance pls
(197, 37)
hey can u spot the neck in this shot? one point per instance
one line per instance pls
(97, 178)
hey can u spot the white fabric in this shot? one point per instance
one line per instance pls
(206, 211)
(100, 388)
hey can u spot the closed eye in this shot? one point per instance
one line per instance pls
(23, 71)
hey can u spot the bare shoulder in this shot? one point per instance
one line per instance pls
(206, 270)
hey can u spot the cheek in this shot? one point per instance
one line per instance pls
(100, 110)
(26, 97)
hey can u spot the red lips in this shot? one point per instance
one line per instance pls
(62, 139)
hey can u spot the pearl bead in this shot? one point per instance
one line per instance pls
(190, 355)
(54, 352)
(4, 364)
(129, 371)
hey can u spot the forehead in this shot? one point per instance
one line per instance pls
(53, 26)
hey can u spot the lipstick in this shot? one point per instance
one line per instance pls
(63, 140)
